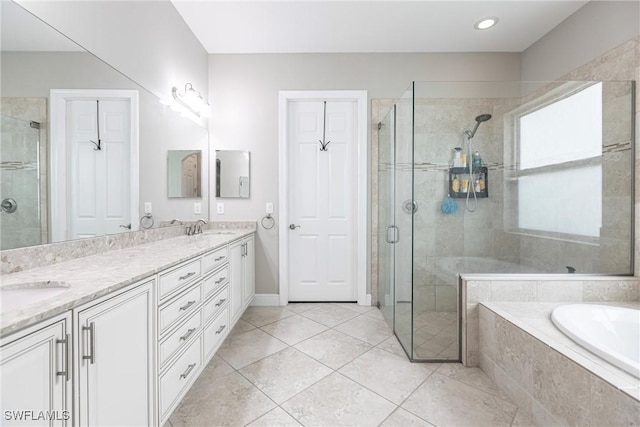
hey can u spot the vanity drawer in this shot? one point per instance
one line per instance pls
(215, 333)
(178, 308)
(173, 280)
(175, 382)
(212, 283)
(215, 304)
(180, 337)
(214, 259)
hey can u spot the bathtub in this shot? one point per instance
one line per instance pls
(613, 333)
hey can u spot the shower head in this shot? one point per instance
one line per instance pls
(479, 119)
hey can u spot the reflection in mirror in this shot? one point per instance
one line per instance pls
(184, 174)
(36, 58)
(232, 174)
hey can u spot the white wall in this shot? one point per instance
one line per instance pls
(244, 96)
(593, 30)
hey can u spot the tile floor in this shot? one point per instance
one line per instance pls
(333, 365)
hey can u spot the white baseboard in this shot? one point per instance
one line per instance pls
(266, 300)
(367, 301)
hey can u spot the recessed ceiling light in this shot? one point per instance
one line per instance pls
(485, 23)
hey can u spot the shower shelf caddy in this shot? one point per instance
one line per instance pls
(464, 172)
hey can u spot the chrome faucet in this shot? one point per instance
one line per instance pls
(198, 226)
(175, 220)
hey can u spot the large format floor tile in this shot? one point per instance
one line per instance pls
(440, 401)
(338, 401)
(294, 329)
(331, 365)
(230, 400)
(392, 377)
(333, 348)
(285, 374)
(243, 349)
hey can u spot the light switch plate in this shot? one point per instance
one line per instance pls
(269, 207)
(147, 207)
(197, 208)
(220, 208)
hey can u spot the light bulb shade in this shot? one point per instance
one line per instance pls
(191, 99)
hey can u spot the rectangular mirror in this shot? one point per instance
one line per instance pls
(232, 174)
(184, 177)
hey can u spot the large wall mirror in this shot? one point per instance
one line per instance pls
(184, 176)
(233, 174)
(35, 59)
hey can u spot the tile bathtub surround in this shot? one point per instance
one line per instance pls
(477, 289)
(15, 260)
(551, 379)
(340, 369)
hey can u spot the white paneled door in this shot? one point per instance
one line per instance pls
(322, 188)
(99, 184)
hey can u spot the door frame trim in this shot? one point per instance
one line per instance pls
(58, 154)
(361, 216)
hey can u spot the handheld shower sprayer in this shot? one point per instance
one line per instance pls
(470, 134)
(481, 118)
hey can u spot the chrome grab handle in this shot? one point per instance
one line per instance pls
(92, 342)
(386, 234)
(187, 305)
(219, 331)
(186, 373)
(66, 342)
(219, 258)
(188, 334)
(186, 276)
(221, 302)
(220, 280)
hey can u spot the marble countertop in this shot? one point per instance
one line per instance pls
(98, 275)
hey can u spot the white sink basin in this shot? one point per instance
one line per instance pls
(16, 296)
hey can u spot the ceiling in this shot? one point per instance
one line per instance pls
(370, 26)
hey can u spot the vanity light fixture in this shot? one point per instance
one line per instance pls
(191, 99)
(486, 23)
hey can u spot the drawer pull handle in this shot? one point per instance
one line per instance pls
(220, 329)
(221, 302)
(188, 334)
(220, 280)
(186, 276)
(188, 371)
(220, 258)
(187, 305)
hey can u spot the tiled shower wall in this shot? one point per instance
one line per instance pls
(481, 234)
(34, 230)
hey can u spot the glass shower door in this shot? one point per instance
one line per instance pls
(403, 213)
(386, 217)
(20, 176)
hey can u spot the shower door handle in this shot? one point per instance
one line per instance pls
(9, 205)
(396, 235)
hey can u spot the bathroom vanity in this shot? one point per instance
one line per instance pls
(126, 334)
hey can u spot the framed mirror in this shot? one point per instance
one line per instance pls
(232, 174)
(184, 176)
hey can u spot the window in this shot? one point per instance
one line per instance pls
(560, 165)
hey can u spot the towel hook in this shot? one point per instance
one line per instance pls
(323, 144)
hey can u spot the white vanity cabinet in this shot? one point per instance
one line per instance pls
(242, 271)
(35, 374)
(115, 348)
